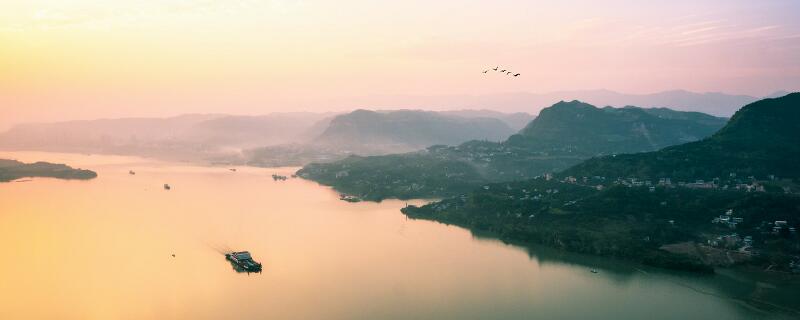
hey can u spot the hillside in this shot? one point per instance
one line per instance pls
(761, 139)
(577, 127)
(562, 135)
(516, 120)
(12, 170)
(406, 130)
(648, 225)
(647, 206)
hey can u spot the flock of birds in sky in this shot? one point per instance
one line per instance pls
(507, 72)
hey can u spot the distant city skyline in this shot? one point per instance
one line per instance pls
(62, 60)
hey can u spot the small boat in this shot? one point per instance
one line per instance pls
(232, 169)
(594, 270)
(244, 261)
(167, 187)
(349, 198)
(131, 172)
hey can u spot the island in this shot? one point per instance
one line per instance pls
(13, 169)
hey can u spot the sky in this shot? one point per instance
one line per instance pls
(83, 59)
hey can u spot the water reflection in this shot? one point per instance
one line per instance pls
(327, 259)
(764, 294)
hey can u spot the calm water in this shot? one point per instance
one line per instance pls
(101, 249)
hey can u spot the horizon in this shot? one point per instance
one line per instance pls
(534, 109)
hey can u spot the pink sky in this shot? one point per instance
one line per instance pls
(93, 58)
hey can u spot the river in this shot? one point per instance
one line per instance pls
(102, 249)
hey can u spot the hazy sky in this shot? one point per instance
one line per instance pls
(62, 59)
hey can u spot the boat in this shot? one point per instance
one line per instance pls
(167, 187)
(131, 172)
(244, 261)
(594, 270)
(349, 198)
(232, 169)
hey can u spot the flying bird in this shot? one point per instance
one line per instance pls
(504, 70)
(495, 68)
(485, 71)
(508, 72)
(516, 74)
(173, 255)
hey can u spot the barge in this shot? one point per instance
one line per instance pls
(244, 261)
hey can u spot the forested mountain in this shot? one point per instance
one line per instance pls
(761, 139)
(561, 136)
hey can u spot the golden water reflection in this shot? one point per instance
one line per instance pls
(102, 249)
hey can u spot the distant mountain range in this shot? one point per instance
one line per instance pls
(366, 132)
(189, 131)
(274, 139)
(184, 137)
(714, 103)
(563, 135)
(761, 139)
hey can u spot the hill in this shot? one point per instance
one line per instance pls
(516, 120)
(12, 169)
(665, 226)
(405, 130)
(760, 140)
(577, 127)
(562, 135)
(613, 206)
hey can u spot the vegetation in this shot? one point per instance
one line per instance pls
(613, 205)
(761, 139)
(619, 221)
(563, 135)
(12, 170)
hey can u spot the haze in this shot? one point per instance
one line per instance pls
(62, 60)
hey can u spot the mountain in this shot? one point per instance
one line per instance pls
(12, 169)
(561, 136)
(761, 139)
(516, 120)
(745, 211)
(714, 103)
(405, 130)
(255, 131)
(578, 127)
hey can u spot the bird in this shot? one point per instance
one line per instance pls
(504, 70)
(516, 74)
(495, 68)
(508, 72)
(485, 71)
